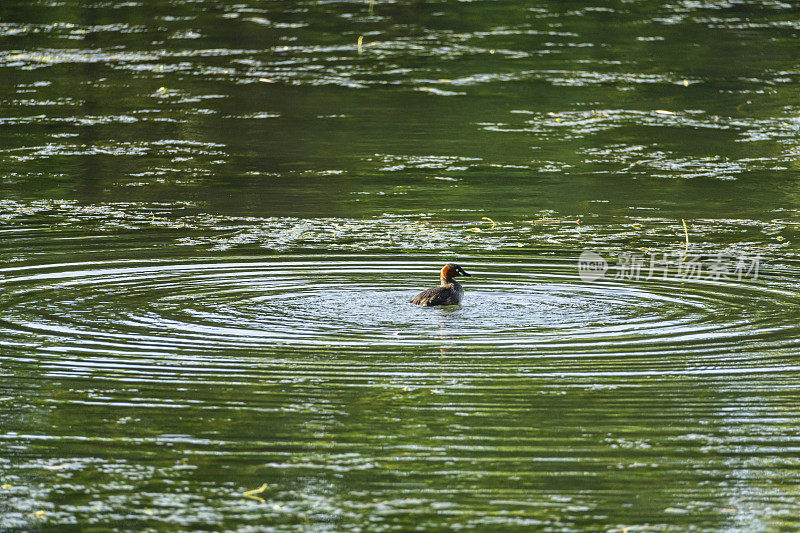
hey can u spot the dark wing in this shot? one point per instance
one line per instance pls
(434, 296)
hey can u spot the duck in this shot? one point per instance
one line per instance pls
(449, 291)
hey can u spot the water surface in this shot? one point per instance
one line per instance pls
(213, 217)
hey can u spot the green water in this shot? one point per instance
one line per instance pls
(213, 216)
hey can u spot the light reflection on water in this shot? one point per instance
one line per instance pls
(212, 218)
(317, 376)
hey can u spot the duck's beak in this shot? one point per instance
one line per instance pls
(464, 272)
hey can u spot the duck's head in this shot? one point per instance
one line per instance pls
(452, 270)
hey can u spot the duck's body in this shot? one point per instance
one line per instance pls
(445, 294)
(449, 292)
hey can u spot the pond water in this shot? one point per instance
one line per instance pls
(213, 215)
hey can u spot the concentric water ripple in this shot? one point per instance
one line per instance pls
(517, 309)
